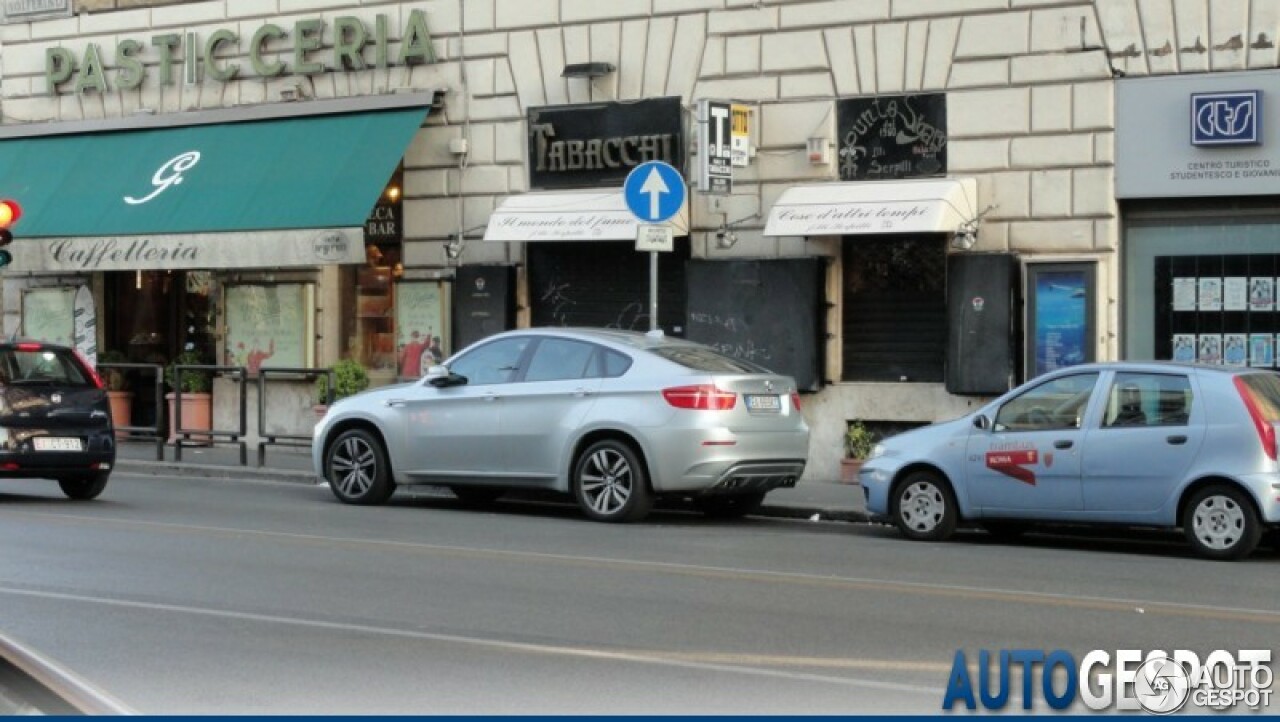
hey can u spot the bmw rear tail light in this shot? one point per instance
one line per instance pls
(1266, 432)
(705, 397)
(795, 400)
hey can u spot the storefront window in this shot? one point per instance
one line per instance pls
(374, 342)
(1202, 290)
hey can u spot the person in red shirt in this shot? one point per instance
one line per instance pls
(411, 357)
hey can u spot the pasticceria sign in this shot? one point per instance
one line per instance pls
(268, 50)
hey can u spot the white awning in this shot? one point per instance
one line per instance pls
(930, 205)
(590, 215)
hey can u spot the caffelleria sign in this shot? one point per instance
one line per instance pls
(307, 247)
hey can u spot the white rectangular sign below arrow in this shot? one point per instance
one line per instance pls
(654, 238)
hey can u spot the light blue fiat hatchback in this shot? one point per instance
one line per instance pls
(1128, 444)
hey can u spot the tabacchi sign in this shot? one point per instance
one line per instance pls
(272, 51)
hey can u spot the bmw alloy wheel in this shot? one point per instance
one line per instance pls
(610, 484)
(358, 473)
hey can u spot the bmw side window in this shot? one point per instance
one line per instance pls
(493, 363)
(1137, 399)
(556, 358)
(615, 364)
(1056, 404)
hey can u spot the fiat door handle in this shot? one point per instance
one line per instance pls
(1176, 439)
(1063, 444)
(394, 403)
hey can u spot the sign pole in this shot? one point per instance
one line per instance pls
(653, 290)
(654, 192)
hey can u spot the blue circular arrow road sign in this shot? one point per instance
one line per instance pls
(654, 191)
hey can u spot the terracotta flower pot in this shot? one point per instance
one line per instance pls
(197, 414)
(849, 469)
(121, 410)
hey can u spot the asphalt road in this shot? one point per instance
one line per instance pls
(204, 596)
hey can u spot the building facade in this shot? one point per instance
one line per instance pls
(909, 205)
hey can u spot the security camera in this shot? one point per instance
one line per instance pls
(726, 238)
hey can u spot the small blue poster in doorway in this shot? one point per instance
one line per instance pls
(1061, 319)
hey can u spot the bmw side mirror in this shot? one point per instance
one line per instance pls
(441, 377)
(980, 422)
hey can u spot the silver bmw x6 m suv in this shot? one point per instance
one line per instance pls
(614, 418)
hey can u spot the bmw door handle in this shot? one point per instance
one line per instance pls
(1063, 444)
(394, 403)
(1176, 439)
(490, 397)
(582, 392)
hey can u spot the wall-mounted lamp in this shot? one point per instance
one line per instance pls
(964, 239)
(453, 248)
(587, 70)
(725, 238)
(819, 150)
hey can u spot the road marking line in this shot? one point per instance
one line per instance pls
(716, 663)
(1174, 609)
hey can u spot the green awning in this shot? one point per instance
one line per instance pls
(314, 171)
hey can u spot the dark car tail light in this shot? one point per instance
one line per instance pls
(29, 346)
(1266, 432)
(706, 397)
(795, 400)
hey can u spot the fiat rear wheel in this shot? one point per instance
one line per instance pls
(1221, 524)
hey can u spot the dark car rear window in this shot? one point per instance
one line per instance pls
(705, 359)
(1266, 390)
(58, 367)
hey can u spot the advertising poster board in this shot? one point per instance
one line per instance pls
(422, 328)
(48, 315)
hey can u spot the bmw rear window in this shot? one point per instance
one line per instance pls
(699, 358)
(45, 366)
(1266, 391)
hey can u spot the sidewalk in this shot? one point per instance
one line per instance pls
(831, 501)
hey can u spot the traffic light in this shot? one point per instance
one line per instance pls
(10, 212)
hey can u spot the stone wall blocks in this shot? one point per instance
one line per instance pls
(1062, 236)
(1050, 151)
(994, 35)
(819, 14)
(756, 19)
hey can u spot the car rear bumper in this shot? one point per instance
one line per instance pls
(719, 461)
(19, 459)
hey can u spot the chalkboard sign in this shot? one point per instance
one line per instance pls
(892, 136)
(766, 311)
(481, 303)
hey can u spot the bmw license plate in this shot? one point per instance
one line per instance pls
(764, 403)
(56, 443)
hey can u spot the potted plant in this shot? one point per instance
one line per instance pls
(858, 443)
(349, 377)
(118, 393)
(197, 401)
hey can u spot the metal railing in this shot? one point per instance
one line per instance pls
(144, 433)
(202, 437)
(266, 438)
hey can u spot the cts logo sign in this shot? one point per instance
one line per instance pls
(1226, 118)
